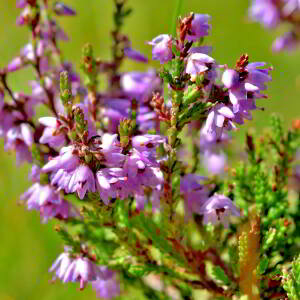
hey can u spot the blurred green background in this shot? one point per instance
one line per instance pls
(28, 248)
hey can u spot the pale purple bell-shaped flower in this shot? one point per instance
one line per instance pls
(20, 138)
(81, 270)
(66, 160)
(214, 161)
(198, 63)
(162, 48)
(193, 193)
(82, 181)
(62, 211)
(76, 269)
(290, 7)
(257, 77)
(236, 90)
(61, 264)
(112, 183)
(146, 144)
(199, 28)
(140, 85)
(288, 41)
(254, 82)
(218, 209)
(219, 117)
(142, 170)
(48, 202)
(108, 287)
(111, 150)
(265, 12)
(63, 10)
(38, 195)
(51, 134)
(135, 55)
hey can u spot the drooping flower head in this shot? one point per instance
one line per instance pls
(217, 209)
(199, 27)
(194, 194)
(162, 48)
(107, 287)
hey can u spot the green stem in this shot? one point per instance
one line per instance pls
(176, 13)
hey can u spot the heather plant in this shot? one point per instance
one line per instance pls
(139, 173)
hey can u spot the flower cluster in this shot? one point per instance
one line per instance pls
(271, 13)
(106, 163)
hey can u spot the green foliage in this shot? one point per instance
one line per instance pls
(220, 275)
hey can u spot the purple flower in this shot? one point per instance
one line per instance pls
(214, 161)
(107, 287)
(38, 195)
(135, 55)
(79, 269)
(162, 48)
(147, 144)
(289, 41)
(79, 180)
(63, 10)
(51, 134)
(200, 63)
(19, 138)
(219, 117)
(253, 82)
(62, 211)
(111, 150)
(82, 180)
(61, 264)
(265, 12)
(194, 194)
(199, 28)
(290, 6)
(112, 183)
(140, 85)
(142, 170)
(66, 160)
(218, 208)
(48, 202)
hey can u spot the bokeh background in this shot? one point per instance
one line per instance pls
(28, 248)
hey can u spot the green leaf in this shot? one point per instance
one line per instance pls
(263, 265)
(220, 275)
